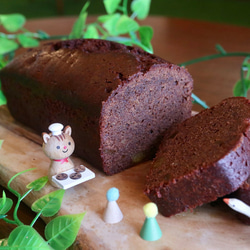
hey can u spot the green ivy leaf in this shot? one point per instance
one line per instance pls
(38, 184)
(146, 35)
(91, 32)
(26, 237)
(49, 204)
(5, 205)
(238, 89)
(1, 143)
(61, 232)
(4, 243)
(125, 25)
(103, 18)
(2, 201)
(77, 30)
(111, 5)
(3, 62)
(141, 8)
(12, 22)
(78, 27)
(27, 41)
(110, 23)
(7, 45)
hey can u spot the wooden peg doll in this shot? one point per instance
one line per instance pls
(112, 213)
(58, 146)
(150, 230)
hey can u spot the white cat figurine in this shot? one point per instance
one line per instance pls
(58, 146)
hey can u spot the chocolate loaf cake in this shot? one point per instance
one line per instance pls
(205, 157)
(118, 100)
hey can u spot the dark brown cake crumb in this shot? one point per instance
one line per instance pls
(203, 158)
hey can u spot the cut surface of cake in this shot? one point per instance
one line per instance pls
(205, 157)
(118, 100)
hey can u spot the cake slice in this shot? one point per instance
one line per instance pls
(205, 157)
(118, 99)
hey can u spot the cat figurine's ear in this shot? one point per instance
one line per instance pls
(68, 130)
(46, 137)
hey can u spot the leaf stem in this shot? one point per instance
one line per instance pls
(222, 53)
(26, 194)
(214, 56)
(134, 15)
(58, 37)
(102, 31)
(35, 35)
(18, 195)
(125, 7)
(10, 221)
(35, 219)
(13, 177)
(15, 216)
(199, 101)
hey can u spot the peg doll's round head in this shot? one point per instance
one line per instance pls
(58, 145)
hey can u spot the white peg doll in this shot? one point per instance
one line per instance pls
(112, 213)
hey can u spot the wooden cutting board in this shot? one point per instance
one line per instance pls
(212, 226)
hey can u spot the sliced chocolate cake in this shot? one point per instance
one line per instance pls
(118, 100)
(205, 157)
